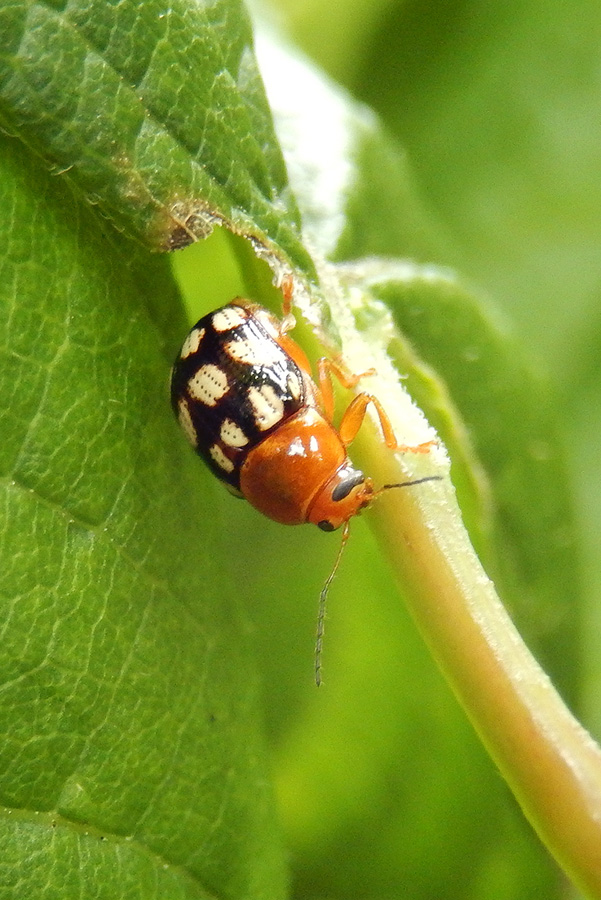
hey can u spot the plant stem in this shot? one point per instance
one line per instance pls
(551, 763)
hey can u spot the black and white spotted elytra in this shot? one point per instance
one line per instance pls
(233, 384)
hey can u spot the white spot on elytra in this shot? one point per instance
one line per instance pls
(249, 352)
(192, 342)
(183, 415)
(232, 435)
(221, 459)
(268, 406)
(294, 385)
(208, 384)
(227, 318)
(269, 322)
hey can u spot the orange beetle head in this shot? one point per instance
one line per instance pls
(345, 494)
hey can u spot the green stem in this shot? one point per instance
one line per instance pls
(550, 762)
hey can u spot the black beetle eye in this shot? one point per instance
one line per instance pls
(343, 489)
(325, 525)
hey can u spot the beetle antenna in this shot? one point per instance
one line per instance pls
(321, 615)
(386, 487)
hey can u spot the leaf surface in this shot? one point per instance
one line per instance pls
(132, 757)
(157, 114)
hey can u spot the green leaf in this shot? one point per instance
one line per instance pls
(127, 136)
(132, 747)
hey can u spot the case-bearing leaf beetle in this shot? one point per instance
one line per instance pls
(243, 393)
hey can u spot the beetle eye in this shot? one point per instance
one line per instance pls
(325, 525)
(344, 488)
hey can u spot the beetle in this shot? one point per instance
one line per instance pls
(244, 395)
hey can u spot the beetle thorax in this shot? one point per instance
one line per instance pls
(300, 471)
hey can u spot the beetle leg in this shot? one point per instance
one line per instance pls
(325, 368)
(353, 419)
(288, 320)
